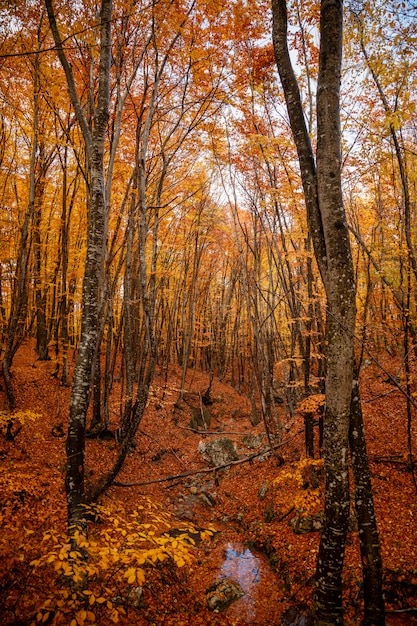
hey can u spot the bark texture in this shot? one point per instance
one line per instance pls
(321, 177)
(94, 262)
(340, 292)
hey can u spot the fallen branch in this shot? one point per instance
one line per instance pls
(206, 470)
(396, 459)
(280, 519)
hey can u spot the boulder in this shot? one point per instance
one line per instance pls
(218, 452)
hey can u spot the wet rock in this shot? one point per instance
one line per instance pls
(185, 514)
(269, 513)
(222, 593)
(207, 499)
(218, 452)
(314, 523)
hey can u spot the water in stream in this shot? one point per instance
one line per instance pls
(259, 584)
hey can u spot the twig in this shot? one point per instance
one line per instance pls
(390, 459)
(381, 395)
(280, 519)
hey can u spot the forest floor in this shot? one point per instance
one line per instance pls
(248, 508)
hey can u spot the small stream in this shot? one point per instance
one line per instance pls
(259, 584)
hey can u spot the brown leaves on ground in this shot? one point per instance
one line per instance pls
(249, 506)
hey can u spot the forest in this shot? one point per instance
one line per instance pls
(208, 312)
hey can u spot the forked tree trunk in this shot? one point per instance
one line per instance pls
(321, 178)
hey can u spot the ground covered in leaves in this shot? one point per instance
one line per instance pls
(173, 527)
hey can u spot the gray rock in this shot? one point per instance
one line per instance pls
(308, 524)
(263, 490)
(135, 596)
(218, 452)
(222, 593)
(253, 441)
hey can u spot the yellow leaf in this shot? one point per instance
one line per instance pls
(100, 600)
(81, 617)
(130, 574)
(92, 599)
(45, 617)
(140, 576)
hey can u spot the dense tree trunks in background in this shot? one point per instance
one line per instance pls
(19, 299)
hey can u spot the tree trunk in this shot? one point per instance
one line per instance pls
(340, 292)
(364, 504)
(330, 237)
(94, 262)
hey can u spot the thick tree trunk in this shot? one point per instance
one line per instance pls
(340, 292)
(330, 237)
(364, 504)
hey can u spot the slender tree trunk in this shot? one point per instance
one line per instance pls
(94, 262)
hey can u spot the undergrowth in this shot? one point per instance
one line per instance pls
(101, 579)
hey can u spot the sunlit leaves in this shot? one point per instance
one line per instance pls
(306, 501)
